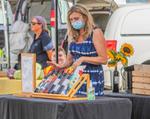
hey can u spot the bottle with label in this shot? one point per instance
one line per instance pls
(115, 80)
(91, 92)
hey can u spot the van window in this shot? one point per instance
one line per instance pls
(38, 9)
(101, 20)
(1, 16)
(63, 7)
(137, 23)
(10, 20)
(44, 9)
(9, 13)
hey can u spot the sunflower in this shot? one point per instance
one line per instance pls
(111, 54)
(127, 49)
(119, 56)
(112, 63)
(124, 61)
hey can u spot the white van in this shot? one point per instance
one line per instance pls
(131, 24)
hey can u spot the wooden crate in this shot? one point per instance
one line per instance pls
(141, 79)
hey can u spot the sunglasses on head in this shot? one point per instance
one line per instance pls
(34, 23)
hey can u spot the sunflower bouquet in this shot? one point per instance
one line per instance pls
(122, 55)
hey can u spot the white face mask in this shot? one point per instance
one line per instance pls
(78, 24)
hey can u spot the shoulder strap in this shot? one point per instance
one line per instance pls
(93, 30)
(65, 43)
(95, 27)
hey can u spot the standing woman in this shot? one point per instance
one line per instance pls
(42, 44)
(87, 47)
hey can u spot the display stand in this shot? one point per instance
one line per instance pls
(28, 74)
(71, 93)
(69, 96)
(29, 82)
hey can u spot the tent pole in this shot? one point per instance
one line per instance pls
(56, 29)
(74, 2)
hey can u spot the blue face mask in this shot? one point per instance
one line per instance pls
(78, 24)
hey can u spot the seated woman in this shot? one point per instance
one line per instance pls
(42, 44)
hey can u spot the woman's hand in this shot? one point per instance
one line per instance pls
(78, 62)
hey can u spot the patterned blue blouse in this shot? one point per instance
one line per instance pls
(86, 48)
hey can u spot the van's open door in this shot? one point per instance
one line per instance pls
(99, 4)
(101, 10)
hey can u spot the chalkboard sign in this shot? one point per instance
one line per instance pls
(28, 72)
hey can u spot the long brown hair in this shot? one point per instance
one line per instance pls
(89, 24)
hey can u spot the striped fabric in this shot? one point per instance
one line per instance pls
(86, 48)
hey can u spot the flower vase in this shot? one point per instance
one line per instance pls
(115, 80)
